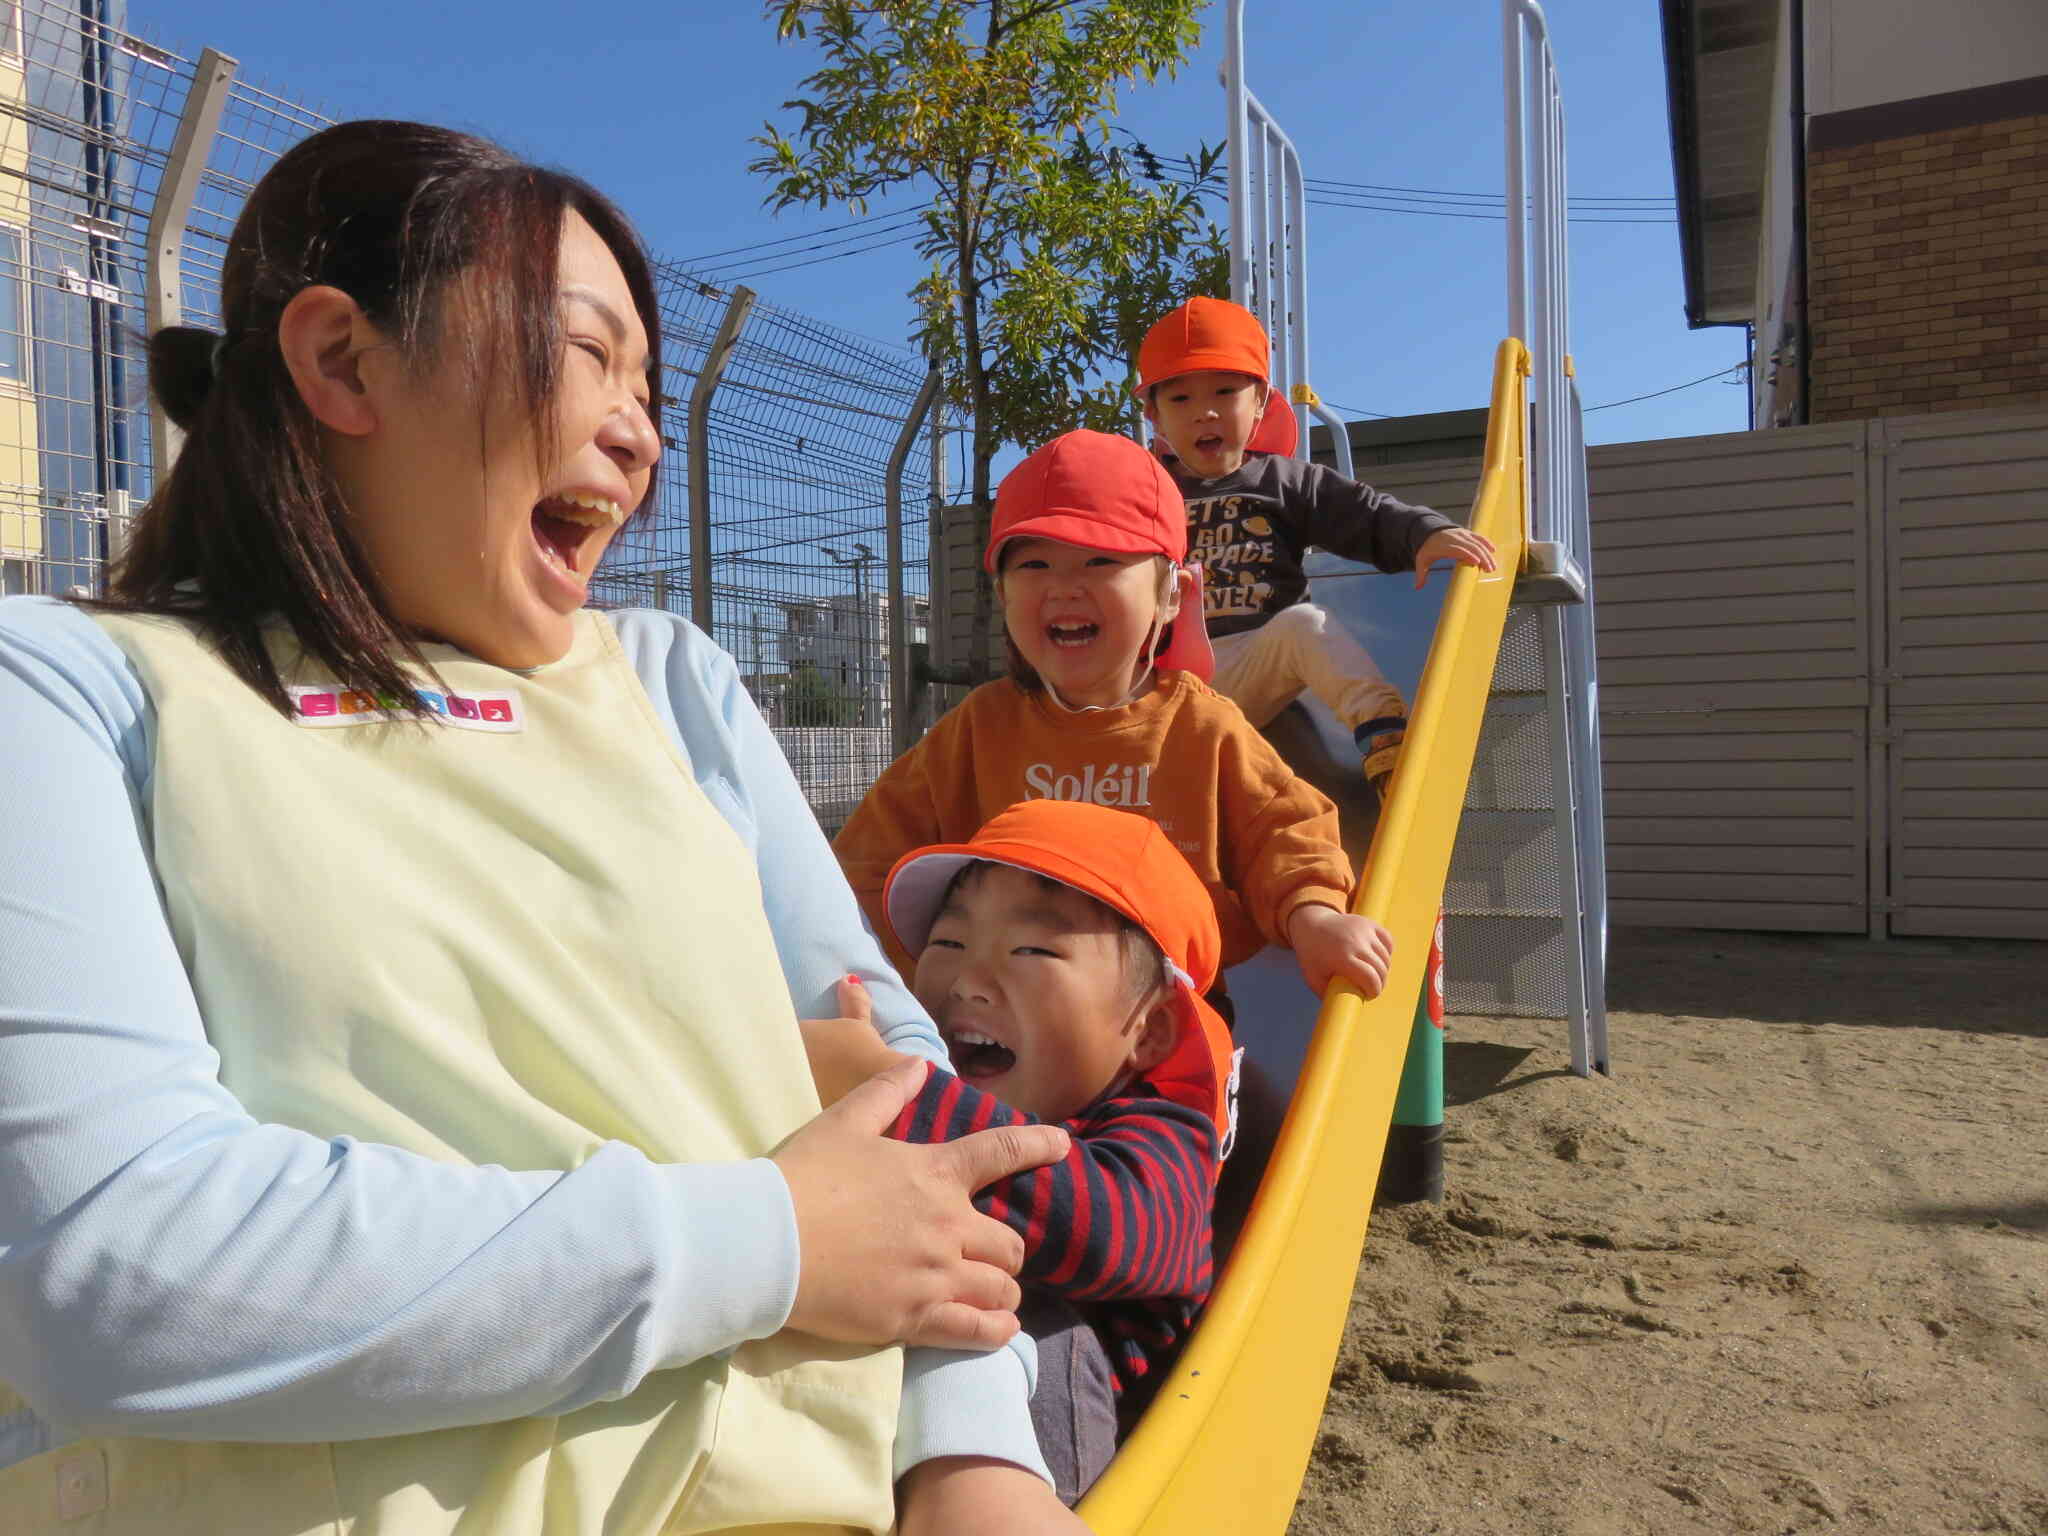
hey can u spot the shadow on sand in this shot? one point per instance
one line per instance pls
(1982, 986)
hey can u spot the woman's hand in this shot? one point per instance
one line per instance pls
(891, 1249)
(845, 1052)
(1328, 944)
(1461, 546)
(954, 1494)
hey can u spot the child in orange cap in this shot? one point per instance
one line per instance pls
(1202, 376)
(1088, 537)
(1064, 951)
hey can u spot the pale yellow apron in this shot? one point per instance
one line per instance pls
(507, 938)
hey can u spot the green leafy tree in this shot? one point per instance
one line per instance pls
(1051, 239)
(812, 698)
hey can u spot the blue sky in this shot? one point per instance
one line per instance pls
(656, 104)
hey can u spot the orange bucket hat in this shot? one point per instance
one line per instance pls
(1203, 333)
(1128, 864)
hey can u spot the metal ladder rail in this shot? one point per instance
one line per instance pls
(1269, 230)
(1538, 307)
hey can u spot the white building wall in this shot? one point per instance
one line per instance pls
(1865, 53)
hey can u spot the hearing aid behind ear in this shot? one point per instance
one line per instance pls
(1188, 650)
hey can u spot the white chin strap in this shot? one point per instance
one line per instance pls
(1151, 645)
(1149, 651)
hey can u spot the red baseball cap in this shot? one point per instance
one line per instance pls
(1094, 490)
(1203, 333)
(1129, 865)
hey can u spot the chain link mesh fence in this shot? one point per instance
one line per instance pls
(799, 436)
(800, 430)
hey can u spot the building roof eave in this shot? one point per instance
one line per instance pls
(1679, 107)
(1719, 67)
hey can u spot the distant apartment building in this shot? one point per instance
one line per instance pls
(844, 640)
(1862, 182)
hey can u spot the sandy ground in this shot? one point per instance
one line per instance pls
(1786, 1271)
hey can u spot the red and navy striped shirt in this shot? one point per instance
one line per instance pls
(1119, 1226)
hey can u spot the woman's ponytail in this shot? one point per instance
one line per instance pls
(182, 361)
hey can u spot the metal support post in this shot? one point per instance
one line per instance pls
(1239, 150)
(1589, 789)
(164, 300)
(741, 301)
(1539, 309)
(923, 407)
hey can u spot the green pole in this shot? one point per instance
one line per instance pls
(1413, 1167)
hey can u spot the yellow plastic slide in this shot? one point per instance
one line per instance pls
(1222, 1449)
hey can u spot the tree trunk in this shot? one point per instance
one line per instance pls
(982, 628)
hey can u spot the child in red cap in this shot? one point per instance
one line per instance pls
(1064, 951)
(1088, 537)
(1202, 375)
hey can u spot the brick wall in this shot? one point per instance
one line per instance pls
(1928, 272)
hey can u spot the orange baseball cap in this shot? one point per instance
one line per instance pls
(1094, 490)
(1128, 864)
(1203, 333)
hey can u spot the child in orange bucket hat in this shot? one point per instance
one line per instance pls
(1065, 950)
(1253, 511)
(1086, 546)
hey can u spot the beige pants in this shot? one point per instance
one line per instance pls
(1301, 648)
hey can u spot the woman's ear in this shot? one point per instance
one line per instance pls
(323, 334)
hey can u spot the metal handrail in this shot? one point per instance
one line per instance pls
(1538, 307)
(1269, 225)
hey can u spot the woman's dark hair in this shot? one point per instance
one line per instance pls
(249, 525)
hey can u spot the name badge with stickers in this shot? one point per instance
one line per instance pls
(321, 707)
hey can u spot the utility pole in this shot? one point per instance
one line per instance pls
(865, 643)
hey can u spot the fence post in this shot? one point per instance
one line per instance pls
(164, 300)
(921, 408)
(708, 376)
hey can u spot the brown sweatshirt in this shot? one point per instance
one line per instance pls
(1263, 841)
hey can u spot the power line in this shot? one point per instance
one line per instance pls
(1358, 195)
(762, 245)
(1378, 189)
(865, 240)
(1358, 203)
(1674, 389)
(1362, 205)
(738, 275)
(1359, 410)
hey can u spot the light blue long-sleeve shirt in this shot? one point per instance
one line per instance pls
(131, 1181)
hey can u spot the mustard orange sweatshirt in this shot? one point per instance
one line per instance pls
(1262, 839)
